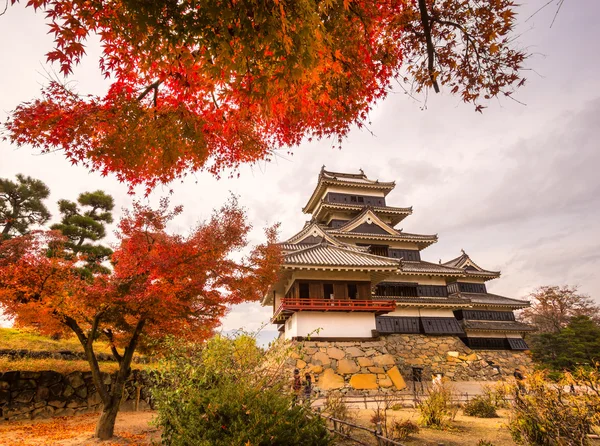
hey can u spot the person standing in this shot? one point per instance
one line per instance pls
(296, 386)
(307, 388)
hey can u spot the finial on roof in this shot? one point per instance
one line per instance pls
(463, 251)
(323, 168)
(440, 261)
(361, 171)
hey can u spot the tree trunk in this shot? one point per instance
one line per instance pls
(106, 424)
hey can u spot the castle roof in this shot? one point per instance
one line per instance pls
(470, 268)
(395, 214)
(492, 300)
(350, 180)
(368, 225)
(328, 255)
(496, 326)
(422, 267)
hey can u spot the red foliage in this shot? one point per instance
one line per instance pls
(216, 84)
(177, 285)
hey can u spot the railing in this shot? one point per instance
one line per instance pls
(291, 305)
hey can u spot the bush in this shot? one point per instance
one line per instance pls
(335, 407)
(402, 430)
(481, 406)
(437, 409)
(484, 443)
(230, 392)
(544, 414)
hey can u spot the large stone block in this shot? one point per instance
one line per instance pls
(364, 362)
(75, 379)
(300, 364)
(384, 360)
(355, 352)
(321, 358)
(347, 366)
(396, 377)
(330, 380)
(335, 353)
(364, 381)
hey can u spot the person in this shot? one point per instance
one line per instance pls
(307, 388)
(296, 385)
(519, 377)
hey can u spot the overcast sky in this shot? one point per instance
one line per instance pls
(517, 187)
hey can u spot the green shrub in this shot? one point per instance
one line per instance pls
(481, 406)
(484, 443)
(437, 409)
(402, 430)
(230, 392)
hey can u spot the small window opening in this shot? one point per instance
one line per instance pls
(328, 290)
(304, 290)
(352, 291)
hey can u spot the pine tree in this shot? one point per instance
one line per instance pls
(21, 205)
(85, 222)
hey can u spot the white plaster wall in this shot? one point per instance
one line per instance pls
(425, 312)
(471, 280)
(404, 312)
(491, 334)
(331, 325)
(436, 312)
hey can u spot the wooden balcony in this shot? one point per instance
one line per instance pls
(291, 305)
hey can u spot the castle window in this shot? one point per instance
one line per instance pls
(304, 290)
(352, 291)
(361, 200)
(328, 290)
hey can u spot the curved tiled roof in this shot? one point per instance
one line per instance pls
(345, 179)
(470, 267)
(325, 254)
(299, 246)
(496, 326)
(401, 236)
(422, 267)
(481, 299)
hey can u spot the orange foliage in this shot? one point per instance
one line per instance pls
(177, 285)
(228, 82)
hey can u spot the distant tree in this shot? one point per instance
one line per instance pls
(87, 224)
(161, 284)
(577, 344)
(21, 205)
(553, 307)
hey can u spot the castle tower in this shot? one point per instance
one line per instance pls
(351, 275)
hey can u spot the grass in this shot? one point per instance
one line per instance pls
(22, 339)
(61, 366)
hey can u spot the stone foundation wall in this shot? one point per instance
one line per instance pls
(386, 364)
(33, 395)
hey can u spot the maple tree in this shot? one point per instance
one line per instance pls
(215, 84)
(21, 205)
(160, 284)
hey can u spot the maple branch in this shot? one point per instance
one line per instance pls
(113, 348)
(94, 366)
(429, 41)
(5, 8)
(153, 86)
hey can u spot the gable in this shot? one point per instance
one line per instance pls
(366, 228)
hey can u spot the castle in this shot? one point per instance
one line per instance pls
(351, 280)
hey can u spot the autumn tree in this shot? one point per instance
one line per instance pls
(160, 284)
(553, 307)
(85, 222)
(21, 205)
(218, 84)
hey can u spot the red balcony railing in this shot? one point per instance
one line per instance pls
(289, 306)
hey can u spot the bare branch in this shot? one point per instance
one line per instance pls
(430, 48)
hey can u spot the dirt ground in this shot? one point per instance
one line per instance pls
(131, 428)
(465, 431)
